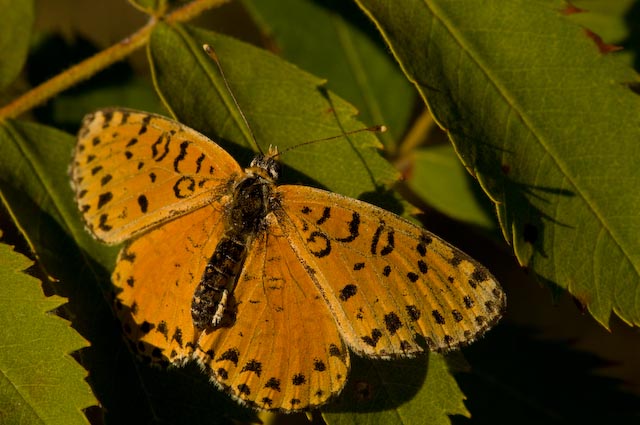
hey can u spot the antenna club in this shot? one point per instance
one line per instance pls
(209, 51)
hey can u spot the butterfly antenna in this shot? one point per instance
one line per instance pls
(374, 129)
(212, 54)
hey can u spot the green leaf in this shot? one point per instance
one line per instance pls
(37, 190)
(604, 17)
(400, 392)
(16, 21)
(38, 193)
(438, 178)
(548, 126)
(41, 382)
(284, 106)
(334, 40)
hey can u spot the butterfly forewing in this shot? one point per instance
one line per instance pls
(386, 279)
(133, 170)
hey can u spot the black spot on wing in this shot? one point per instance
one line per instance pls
(252, 366)
(298, 379)
(102, 223)
(222, 374)
(422, 266)
(354, 229)
(413, 312)
(319, 238)
(104, 199)
(326, 214)
(372, 339)
(143, 203)
(457, 316)
(468, 302)
(144, 123)
(386, 271)
(348, 291)
(438, 317)
(244, 389)
(392, 322)
(184, 187)
(105, 179)
(231, 355)
(273, 383)
(318, 365)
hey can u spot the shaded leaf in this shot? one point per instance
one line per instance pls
(547, 125)
(334, 40)
(41, 382)
(16, 21)
(517, 378)
(284, 106)
(37, 189)
(400, 392)
(438, 178)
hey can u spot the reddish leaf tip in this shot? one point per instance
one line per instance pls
(602, 46)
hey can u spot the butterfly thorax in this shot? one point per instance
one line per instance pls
(213, 304)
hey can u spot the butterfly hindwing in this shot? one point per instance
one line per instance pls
(156, 275)
(284, 350)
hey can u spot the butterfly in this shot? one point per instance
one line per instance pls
(266, 286)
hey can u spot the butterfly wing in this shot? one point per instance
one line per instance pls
(389, 283)
(156, 275)
(133, 170)
(284, 350)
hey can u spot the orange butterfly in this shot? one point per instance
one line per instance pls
(266, 286)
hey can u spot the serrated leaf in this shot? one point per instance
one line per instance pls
(284, 106)
(438, 178)
(335, 41)
(41, 382)
(604, 17)
(16, 21)
(548, 126)
(400, 392)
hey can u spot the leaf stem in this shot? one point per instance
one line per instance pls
(101, 60)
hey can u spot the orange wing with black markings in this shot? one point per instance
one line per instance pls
(134, 170)
(389, 282)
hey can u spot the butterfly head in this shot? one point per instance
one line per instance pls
(266, 165)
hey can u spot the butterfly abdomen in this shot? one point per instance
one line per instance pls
(244, 217)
